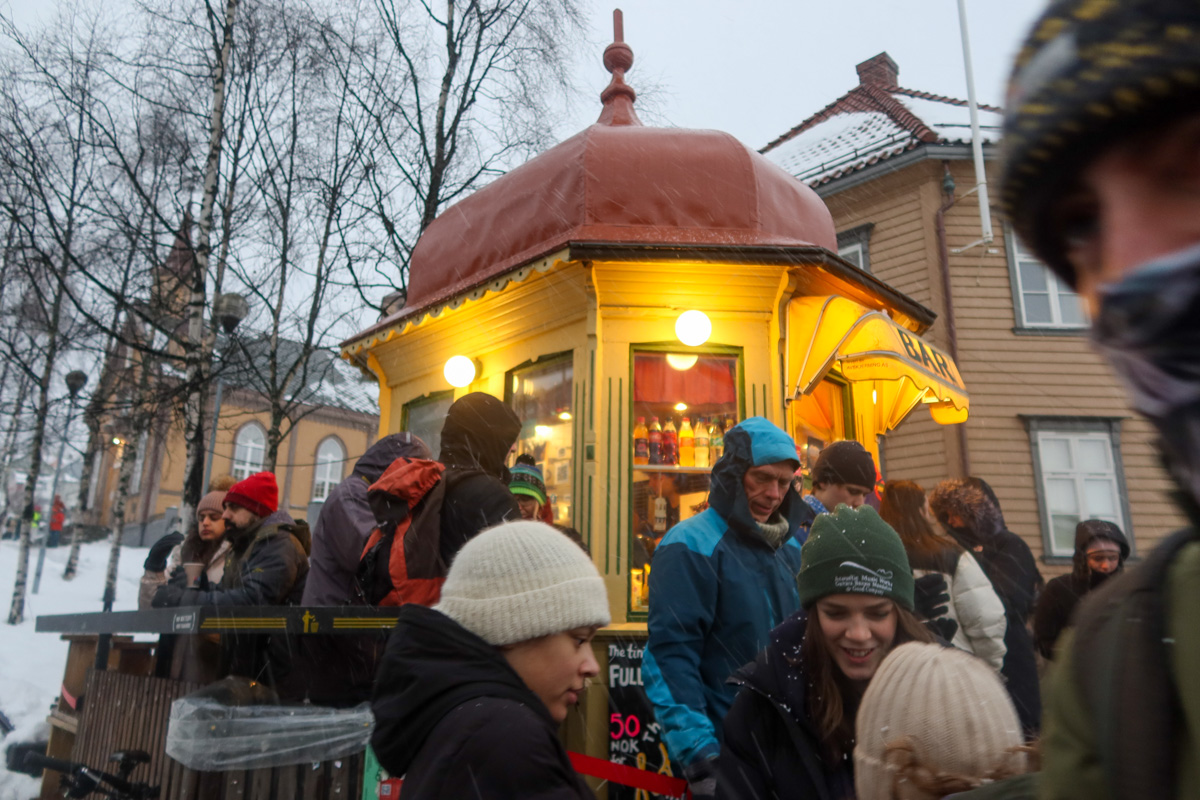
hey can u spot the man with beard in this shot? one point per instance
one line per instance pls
(1102, 180)
(1100, 553)
(267, 566)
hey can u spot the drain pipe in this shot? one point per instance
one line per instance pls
(985, 211)
(948, 298)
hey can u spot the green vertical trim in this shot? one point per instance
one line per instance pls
(592, 379)
(621, 449)
(754, 400)
(764, 396)
(589, 502)
(608, 480)
(577, 475)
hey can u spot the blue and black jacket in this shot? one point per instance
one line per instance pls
(717, 589)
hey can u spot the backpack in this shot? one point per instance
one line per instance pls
(401, 562)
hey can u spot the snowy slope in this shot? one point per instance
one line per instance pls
(31, 664)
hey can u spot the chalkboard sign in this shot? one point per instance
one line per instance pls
(634, 736)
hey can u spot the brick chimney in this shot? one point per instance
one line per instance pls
(878, 71)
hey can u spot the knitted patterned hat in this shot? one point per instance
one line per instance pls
(522, 580)
(853, 551)
(1088, 74)
(527, 480)
(258, 494)
(963, 727)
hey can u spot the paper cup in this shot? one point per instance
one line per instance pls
(193, 570)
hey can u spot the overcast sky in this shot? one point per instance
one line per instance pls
(755, 68)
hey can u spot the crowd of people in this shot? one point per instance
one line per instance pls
(803, 645)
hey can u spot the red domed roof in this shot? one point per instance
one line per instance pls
(617, 182)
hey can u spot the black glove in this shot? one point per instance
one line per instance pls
(944, 628)
(701, 776)
(931, 596)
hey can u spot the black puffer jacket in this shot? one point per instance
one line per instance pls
(772, 750)
(267, 567)
(1062, 594)
(1010, 566)
(456, 721)
(476, 437)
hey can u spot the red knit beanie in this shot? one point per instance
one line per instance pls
(258, 494)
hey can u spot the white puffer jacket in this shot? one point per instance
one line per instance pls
(976, 607)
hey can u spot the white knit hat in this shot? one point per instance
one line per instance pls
(522, 580)
(949, 705)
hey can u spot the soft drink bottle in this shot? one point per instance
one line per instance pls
(703, 442)
(670, 443)
(641, 442)
(687, 444)
(718, 440)
(654, 439)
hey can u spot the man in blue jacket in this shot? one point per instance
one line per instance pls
(721, 581)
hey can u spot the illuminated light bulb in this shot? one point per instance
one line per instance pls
(459, 371)
(116, 440)
(680, 361)
(693, 328)
(543, 431)
(681, 406)
(874, 396)
(564, 415)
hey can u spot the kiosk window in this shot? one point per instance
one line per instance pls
(424, 418)
(540, 395)
(682, 405)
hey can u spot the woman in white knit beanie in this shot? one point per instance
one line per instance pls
(470, 693)
(933, 722)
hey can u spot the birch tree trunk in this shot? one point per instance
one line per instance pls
(125, 477)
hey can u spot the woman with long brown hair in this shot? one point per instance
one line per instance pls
(790, 732)
(974, 604)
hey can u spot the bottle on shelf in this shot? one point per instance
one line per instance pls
(654, 439)
(703, 441)
(670, 443)
(730, 421)
(660, 514)
(641, 442)
(687, 444)
(717, 443)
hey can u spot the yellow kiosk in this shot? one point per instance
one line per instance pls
(633, 273)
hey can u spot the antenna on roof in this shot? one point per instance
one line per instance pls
(985, 211)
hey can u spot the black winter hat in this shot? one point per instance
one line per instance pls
(847, 462)
(1090, 73)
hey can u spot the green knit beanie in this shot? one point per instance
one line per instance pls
(853, 551)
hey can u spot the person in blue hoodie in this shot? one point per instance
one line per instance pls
(721, 581)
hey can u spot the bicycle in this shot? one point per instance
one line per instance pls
(80, 780)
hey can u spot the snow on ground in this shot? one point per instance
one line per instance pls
(31, 664)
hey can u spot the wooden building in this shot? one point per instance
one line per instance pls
(1049, 428)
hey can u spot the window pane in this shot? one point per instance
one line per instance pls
(1060, 497)
(541, 398)
(852, 253)
(1056, 454)
(1037, 309)
(1070, 307)
(1094, 455)
(328, 471)
(424, 419)
(1099, 499)
(1062, 534)
(1033, 277)
(248, 452)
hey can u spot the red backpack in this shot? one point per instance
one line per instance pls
(402, 562)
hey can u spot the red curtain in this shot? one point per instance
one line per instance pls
(710, 381)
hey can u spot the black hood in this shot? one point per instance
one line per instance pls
(727, 495)
(478, 433)
(1091, 529)
(381, 454)
(431, 666)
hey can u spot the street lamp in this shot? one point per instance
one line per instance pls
(229, 309)
(76, 380)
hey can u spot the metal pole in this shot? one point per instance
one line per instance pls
(985, 211)
(212, 437)
(62, 447)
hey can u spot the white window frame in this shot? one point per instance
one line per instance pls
(1074, 430)
(244, 464)
(327, 471)
(1056, 291)
(854, 254)
(854, 245)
